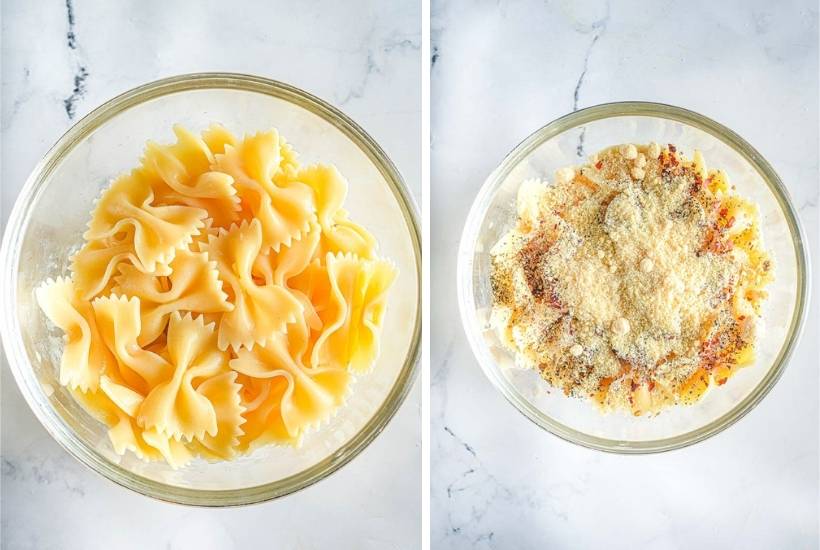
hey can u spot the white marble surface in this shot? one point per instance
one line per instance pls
(501, 71)
(60, 59)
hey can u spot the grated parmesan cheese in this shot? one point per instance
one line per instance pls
(630, 280)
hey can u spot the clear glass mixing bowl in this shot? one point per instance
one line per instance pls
(568, 141)
(49, 217)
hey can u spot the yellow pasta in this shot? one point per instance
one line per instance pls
(351, 322)
(193, 285)
(224, 395)
(96, 263)
(339, 234)
(282, 208)
(223, 300)
(158, 231)
(181, 174)
(85, 356)
(259, 311)
(309, 396)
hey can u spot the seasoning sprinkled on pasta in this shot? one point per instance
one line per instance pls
(634, 280)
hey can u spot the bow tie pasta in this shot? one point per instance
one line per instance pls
(223, 300)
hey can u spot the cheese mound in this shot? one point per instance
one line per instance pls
(634, 280)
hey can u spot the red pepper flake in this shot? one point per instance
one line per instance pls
(721, 246)
(721, 381)
(553, 300)
(599, 164)
(651, 385)
(672, 148)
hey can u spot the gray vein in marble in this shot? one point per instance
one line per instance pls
(597, 28)
(809, 203)
(580, 82)
(80, 72)
(476, 485)
(40, 470)
(70, 36)
(389, 46)
(357, 91)
(400, 44)
(484, 537)
(70, 103)
(9, 469)
(451, 488)
(461, 441)
(438, 380)
(444, 365)
(484, 489)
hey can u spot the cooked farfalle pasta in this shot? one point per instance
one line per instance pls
(223, 299)
(263, 167)
(351, 323)
(85, 356)
(182, 174)
(193, 285)
(339, 234)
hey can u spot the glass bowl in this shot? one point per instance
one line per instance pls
(568, 141)
(49, 217)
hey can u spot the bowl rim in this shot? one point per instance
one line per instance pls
(10, 257)
(464, 274)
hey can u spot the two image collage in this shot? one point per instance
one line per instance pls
(409, 274)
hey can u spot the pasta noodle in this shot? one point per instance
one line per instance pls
(223, 300)
(158, 231)
(339, 234)
(193, 285)
(283, 208)
(181, 174)
(85, 356)
(259, 311)
(351, 322)
(95, 264)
